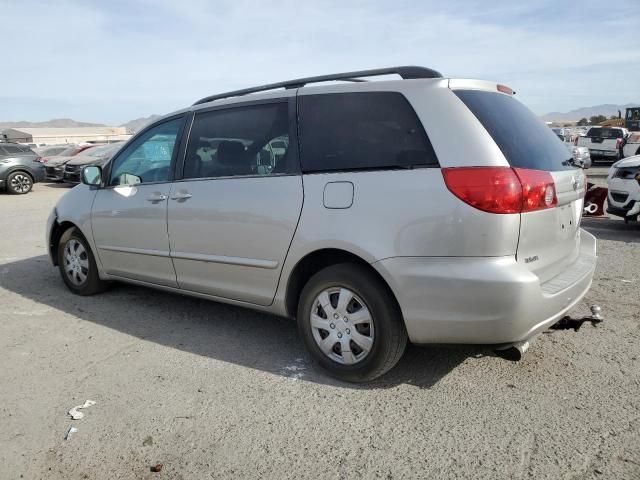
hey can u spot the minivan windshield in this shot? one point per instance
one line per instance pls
(524, 140)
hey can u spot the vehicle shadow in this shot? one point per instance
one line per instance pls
(607, 228)
(231, 334)
(57, 184)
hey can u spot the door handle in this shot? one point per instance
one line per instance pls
(181, 196)
(156, 197)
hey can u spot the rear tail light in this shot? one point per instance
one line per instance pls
(618, 143)
(502, 189)
(538, 189)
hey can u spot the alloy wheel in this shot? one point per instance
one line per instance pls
(21, 183)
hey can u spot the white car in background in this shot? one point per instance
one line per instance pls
(604, 142)
(632, 145)
(624, 188)
(580, 155)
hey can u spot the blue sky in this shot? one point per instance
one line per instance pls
(112, 61)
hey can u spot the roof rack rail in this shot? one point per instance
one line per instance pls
(405, 72)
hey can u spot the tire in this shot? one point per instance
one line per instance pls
(374, 347)
(77, 264)
(19, 183)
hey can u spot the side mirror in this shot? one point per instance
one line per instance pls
(91, 175)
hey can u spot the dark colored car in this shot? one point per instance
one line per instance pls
(19, 168)
(94, 156)
(51, 151)
(54, 166)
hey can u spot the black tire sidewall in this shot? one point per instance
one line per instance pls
(10, 177)
(93, 284)
(387, 320)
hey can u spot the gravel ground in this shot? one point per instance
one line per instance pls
(214, 391)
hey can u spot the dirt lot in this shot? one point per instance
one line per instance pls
(213, 391)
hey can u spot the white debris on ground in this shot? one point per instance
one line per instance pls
(295, 371)
(76, 414)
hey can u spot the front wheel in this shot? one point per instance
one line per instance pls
(78, 265)
(351, 323)
(19, 183)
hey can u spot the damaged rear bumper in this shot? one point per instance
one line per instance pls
(489, 300)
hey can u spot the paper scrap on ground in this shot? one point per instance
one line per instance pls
(76, 414)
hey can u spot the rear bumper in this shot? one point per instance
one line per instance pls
(488, 300)
(595, 153)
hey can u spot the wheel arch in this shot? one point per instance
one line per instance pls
(57, 230)
(21, 169)
(315, 261)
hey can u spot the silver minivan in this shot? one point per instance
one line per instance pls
(423, 209)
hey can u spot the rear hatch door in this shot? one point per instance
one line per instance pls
(549, 239)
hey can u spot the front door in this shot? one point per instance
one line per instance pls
(233, 214)
(129, 215)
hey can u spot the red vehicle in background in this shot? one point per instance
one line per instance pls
(54, 165)
(71, 151)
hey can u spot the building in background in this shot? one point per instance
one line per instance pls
(54, 136)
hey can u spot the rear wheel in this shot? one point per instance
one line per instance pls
(351, 323)
(78, 265)
(19, 183)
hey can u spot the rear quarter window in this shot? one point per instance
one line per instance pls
(524, 140)
(361, 131)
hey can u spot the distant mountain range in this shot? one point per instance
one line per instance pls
(55, 123)
(132, 125)
(607, 109)
(138, 123)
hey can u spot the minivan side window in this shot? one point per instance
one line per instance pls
(148, 158)
(246, 140)
(363, 130)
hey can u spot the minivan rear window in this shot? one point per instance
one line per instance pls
(524, 140)
(361, 131)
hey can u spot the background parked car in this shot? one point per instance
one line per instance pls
(54, 168)
(632, 145)
(52, 150)
(624, 188)
(92, 156)
(604, 142)
(580, 155)
(19, 168)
